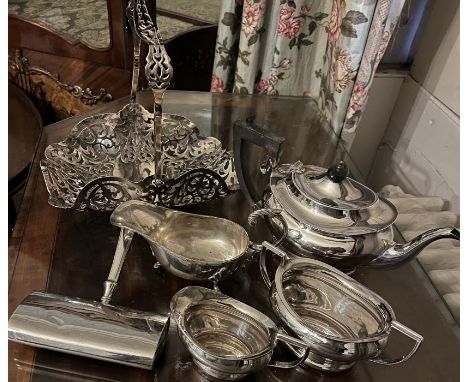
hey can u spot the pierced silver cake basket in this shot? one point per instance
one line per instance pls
(108, 159)
(105, 161)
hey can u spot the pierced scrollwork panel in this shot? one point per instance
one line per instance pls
(107, 193)
(158, 67)
(109, 158)
(195, 186)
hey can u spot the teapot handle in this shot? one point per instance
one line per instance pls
(291, 341)
(247, 131)
(408, 332)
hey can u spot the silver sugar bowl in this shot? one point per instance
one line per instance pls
(341, 320)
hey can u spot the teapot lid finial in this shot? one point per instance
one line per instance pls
(338, 172)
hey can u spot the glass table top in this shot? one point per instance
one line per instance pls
(70, 252)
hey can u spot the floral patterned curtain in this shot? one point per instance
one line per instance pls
(324, 49)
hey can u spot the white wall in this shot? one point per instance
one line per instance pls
(436, 65)
(420, 148)
(383, 95)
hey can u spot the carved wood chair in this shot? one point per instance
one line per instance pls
(54, 99)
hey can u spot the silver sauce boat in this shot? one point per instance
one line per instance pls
(190, 246)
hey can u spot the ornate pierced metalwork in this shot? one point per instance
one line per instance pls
(158, 69)
(194, 186)
(109, 158)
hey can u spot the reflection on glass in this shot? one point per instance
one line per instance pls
(74, 20)
(87, 21)
(207, 10)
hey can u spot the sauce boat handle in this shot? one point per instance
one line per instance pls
(292, 342)
(407, 332)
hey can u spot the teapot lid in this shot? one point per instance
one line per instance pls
(331, 188)
(328, 201)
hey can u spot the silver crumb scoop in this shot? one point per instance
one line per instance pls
(89, 328)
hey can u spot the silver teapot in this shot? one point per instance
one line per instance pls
(328, 215)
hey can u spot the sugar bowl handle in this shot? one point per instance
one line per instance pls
(291, 341)
(262, 260)
(407, 332)
(268, 213)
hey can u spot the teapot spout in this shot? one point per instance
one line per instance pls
(396, 254)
